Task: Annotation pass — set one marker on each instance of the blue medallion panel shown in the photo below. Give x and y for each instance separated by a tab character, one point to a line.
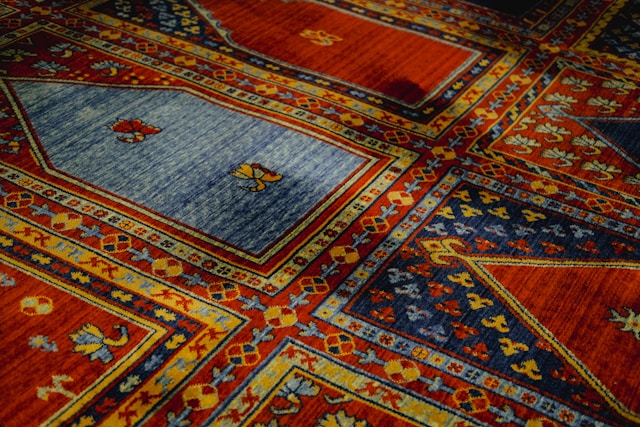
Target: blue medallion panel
237	178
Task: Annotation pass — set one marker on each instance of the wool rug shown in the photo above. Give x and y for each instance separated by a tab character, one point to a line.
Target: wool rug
325	213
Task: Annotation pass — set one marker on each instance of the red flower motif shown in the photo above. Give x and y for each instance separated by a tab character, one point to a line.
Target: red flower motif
135	128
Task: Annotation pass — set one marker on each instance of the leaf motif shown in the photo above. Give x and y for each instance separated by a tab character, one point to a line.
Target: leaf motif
299	386
340	419
565	159
561	98
604	169
592	146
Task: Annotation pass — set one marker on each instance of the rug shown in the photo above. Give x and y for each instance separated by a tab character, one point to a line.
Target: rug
322	213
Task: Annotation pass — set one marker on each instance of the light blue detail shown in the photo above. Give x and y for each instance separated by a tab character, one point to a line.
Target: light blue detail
183	172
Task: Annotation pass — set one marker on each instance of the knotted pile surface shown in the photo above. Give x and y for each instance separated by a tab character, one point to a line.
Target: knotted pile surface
272	213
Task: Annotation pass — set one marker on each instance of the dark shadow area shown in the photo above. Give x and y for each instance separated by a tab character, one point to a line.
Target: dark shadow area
518	8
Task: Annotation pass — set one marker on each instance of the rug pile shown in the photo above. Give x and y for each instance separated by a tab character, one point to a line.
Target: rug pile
321	213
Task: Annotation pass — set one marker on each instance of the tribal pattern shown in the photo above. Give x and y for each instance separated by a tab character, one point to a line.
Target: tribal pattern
319	212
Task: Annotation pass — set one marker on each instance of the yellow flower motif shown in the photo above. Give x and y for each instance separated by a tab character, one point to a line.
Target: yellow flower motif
509	390
400	235
538	200
361	274
332	302
420	353
437	359
325	314
341	320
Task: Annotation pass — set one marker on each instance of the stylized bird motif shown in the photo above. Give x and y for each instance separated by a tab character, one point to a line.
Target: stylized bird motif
91	341
258	173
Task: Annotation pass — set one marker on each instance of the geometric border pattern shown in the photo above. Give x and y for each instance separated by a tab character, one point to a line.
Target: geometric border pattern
334	309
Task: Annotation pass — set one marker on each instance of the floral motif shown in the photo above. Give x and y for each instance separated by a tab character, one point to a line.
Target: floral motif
258	173
42	342
135	130
341	418
630	323
91	341
320	37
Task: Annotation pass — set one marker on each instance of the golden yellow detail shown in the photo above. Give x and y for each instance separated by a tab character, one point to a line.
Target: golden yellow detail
320	37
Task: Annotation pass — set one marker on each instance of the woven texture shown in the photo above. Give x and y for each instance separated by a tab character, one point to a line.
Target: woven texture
324	213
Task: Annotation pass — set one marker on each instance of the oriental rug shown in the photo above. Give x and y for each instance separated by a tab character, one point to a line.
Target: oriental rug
325	213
